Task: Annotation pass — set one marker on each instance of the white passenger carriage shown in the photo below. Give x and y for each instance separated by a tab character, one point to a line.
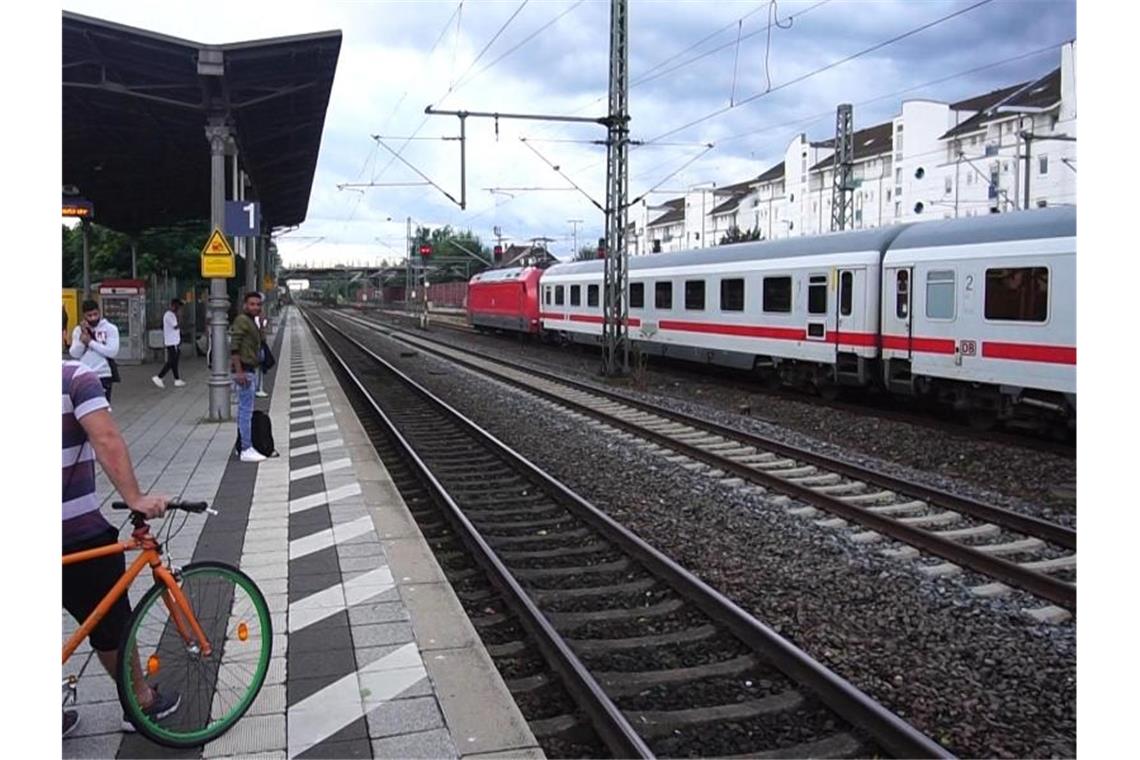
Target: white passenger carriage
981	312
805	310
978	312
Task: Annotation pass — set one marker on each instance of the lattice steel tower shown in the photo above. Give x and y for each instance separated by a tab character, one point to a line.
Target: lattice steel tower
843	188
615	327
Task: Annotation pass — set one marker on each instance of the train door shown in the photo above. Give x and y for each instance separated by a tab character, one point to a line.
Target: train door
897	301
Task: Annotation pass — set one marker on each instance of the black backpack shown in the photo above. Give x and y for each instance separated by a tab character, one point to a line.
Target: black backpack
261	430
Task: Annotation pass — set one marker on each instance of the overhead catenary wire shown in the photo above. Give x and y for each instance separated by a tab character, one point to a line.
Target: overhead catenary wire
822	69
806	120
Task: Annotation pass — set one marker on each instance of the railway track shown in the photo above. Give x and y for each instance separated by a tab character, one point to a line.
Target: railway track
657	662
1009	549
881	407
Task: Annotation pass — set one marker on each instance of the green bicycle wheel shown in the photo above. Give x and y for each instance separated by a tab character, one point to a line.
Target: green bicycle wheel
213	690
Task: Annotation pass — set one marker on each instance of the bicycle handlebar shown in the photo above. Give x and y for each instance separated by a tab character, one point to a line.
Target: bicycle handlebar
196	507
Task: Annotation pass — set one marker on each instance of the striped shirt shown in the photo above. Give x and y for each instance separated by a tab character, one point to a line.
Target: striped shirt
82	394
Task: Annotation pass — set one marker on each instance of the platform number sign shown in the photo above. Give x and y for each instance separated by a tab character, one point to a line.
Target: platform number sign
243	218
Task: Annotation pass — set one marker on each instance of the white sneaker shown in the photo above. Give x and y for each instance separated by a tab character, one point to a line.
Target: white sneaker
261	394
252	455
157	381
179	383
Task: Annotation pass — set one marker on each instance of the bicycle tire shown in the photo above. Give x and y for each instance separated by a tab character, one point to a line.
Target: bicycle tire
235	623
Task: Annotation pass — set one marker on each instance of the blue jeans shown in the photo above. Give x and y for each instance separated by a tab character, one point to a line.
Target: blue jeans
245	409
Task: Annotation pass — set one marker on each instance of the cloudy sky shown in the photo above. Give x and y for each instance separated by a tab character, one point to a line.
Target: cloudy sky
688	60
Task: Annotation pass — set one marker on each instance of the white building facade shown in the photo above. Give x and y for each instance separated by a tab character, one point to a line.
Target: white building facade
1009	149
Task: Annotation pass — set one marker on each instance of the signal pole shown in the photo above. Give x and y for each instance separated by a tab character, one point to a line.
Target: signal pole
615	325
842	187
574	223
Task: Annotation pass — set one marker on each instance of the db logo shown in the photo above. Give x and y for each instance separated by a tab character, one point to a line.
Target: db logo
968	347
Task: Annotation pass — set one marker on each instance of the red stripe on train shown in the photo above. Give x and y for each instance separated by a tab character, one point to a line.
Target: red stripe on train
589	318
922	345
750	331
1030	352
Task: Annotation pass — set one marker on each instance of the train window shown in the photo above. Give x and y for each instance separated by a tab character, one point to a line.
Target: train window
591	295
732	295
940	294
902	294
637	295
663	295
695	295
1017	294
575	295
547	290
558	295
817	294
778	294
846	292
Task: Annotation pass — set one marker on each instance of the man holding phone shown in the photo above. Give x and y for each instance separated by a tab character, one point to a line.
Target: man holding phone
94	341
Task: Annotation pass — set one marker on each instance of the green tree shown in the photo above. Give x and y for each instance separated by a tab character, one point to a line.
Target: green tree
171	251
586	253
456	255
735	235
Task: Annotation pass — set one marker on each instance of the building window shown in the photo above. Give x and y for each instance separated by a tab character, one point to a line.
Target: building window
657	246
663	295
846	293
636	295
559	297
949	185
592	295
858	215
970	178
919	207
888	195
777	294
898	176
902	294
940	294
919	173
1042	203
575	295
898	208
1043	165
695	295
1018	294
732	295
817	294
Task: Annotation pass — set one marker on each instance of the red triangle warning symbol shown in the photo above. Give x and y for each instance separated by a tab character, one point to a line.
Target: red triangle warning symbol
217	245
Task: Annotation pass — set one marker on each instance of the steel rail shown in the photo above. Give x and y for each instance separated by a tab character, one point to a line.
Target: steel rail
886	728
1059	592
606	718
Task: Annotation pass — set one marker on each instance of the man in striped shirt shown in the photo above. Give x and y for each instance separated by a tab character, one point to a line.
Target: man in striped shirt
90	433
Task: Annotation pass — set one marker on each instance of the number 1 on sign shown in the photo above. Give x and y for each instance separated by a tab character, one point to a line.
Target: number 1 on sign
248	208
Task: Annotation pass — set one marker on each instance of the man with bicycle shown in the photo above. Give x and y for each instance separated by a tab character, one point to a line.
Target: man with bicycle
90	433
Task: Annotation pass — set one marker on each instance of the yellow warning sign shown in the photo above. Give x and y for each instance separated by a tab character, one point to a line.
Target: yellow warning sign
217	266
217	245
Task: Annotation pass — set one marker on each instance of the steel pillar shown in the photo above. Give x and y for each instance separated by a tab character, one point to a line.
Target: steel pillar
842	166
86	229
615	327
218	305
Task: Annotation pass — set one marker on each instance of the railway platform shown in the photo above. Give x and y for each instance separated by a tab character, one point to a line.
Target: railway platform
373	655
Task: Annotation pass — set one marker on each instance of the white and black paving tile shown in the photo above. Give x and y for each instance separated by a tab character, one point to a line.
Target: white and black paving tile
372	654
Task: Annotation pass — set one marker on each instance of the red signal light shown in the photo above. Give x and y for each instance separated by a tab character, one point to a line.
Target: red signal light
425	250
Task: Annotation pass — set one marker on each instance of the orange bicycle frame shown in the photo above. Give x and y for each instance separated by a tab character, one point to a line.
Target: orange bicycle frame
176	602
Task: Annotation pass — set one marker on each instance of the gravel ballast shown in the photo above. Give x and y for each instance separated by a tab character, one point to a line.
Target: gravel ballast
975	674
1023	478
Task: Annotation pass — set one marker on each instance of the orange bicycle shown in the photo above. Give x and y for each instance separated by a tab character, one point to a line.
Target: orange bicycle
203	630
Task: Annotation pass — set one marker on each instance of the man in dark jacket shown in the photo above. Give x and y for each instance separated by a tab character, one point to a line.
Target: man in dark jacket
245	347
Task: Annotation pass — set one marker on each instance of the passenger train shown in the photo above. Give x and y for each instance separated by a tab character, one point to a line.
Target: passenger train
978	313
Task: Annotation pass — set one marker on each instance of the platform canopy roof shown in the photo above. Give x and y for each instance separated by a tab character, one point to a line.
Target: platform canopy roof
135	108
